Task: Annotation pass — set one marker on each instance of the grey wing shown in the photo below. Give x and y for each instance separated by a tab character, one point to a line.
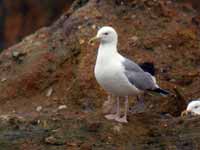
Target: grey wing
141	80
131	66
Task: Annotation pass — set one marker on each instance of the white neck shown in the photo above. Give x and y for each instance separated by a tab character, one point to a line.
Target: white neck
105	52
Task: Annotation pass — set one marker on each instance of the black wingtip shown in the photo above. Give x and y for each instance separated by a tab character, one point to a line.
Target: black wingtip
161	91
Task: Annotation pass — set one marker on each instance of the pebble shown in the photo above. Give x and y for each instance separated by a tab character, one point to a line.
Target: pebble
79	27
4	117
61	107
54	141
169	46
81	41
151	106
38	108
117	128
134	38
15	54
94	26
133	16
49	92
3	79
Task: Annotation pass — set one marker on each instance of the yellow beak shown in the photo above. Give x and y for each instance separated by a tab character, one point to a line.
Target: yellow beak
186	113
92	40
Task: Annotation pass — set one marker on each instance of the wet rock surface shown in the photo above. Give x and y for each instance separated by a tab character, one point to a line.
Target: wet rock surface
56	69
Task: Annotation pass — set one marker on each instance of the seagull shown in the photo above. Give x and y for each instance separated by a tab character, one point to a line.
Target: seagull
118	75
193	108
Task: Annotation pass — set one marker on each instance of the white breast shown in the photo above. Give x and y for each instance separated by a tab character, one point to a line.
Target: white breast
110	75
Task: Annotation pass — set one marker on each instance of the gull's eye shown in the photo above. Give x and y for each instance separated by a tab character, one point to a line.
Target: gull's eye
106	33
196	107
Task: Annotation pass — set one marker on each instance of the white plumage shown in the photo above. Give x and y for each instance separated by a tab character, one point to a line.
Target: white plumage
109	74
194	107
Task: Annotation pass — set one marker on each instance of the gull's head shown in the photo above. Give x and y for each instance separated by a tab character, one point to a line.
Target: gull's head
193	108
106	34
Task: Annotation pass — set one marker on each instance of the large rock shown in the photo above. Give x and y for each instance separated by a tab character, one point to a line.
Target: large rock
59	58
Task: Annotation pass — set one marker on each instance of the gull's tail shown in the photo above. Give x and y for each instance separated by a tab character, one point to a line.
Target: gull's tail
161	91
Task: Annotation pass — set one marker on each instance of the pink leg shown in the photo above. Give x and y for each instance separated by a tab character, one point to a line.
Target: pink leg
109	97
124	118
114	116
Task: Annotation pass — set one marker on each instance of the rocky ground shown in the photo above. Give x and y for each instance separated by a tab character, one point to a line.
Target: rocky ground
49	96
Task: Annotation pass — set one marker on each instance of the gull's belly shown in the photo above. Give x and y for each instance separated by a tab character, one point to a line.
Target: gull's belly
114	81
